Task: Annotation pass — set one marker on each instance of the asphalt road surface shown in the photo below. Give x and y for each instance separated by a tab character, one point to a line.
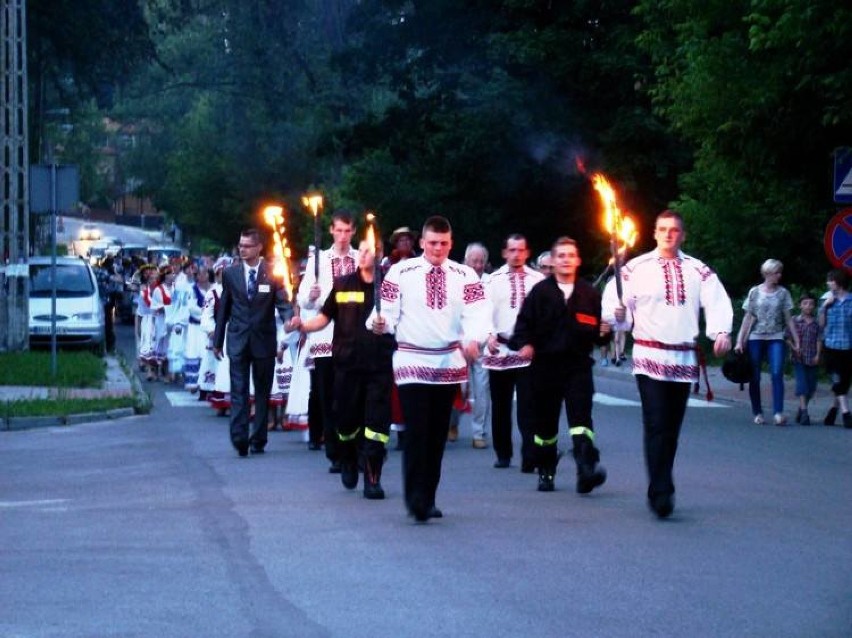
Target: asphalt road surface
152	526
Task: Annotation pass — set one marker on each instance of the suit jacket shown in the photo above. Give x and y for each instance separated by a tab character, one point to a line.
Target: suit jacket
250	326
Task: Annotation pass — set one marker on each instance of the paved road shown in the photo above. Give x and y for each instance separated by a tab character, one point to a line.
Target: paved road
151	526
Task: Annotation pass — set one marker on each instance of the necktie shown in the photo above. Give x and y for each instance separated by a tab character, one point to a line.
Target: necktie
252	284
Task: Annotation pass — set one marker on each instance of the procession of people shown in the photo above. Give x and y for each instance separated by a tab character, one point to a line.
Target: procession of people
363	346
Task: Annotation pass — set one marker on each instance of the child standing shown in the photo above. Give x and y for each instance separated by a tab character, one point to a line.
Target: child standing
806	359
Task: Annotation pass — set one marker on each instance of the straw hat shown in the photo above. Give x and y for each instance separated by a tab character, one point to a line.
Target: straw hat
401	231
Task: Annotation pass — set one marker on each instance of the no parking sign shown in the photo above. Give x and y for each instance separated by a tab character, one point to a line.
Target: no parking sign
838	239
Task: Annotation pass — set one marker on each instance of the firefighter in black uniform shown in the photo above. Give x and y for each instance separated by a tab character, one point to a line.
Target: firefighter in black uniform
558	327
363	375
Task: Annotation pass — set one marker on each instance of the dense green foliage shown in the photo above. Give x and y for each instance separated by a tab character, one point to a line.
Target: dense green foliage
727	110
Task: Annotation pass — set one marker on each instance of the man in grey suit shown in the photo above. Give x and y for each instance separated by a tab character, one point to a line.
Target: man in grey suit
250	297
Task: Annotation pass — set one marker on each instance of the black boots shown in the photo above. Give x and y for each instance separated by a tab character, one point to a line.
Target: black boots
372	478
548	460
590	473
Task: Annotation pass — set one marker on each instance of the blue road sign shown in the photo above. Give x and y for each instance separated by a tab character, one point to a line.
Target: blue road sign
843	175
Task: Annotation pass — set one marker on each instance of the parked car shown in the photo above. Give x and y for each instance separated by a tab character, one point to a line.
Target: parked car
79	311
159	255
89	232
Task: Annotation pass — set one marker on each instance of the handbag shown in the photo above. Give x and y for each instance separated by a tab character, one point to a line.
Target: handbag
737	367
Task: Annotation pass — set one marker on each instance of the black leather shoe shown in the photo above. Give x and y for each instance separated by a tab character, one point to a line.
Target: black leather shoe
257	449
501	463
662	505
434	512
527	467
242	449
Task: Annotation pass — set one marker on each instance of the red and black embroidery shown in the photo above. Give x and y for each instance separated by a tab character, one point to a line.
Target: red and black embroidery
341	266
390	291
430	375
473	292
673	280
687	372
320	350
517	289
436	289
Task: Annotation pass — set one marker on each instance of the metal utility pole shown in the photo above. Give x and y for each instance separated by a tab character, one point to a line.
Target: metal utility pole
14	191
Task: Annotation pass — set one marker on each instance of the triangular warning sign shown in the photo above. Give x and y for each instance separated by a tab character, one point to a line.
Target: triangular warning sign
846	184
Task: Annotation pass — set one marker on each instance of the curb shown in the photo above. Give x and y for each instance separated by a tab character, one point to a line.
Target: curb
129	385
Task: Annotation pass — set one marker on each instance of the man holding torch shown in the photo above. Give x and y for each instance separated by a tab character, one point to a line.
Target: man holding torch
337	261
663	292
438	311
362	371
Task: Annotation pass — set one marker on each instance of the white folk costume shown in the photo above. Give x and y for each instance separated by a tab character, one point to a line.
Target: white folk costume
207	324
196	339
669	294
509	374
506	290
152	342
331	266
663	298
429	308
177	321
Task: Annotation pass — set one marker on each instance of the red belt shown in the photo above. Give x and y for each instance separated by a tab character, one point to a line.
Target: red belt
683	347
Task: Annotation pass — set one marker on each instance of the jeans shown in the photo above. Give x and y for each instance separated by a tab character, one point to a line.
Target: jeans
772	351
806	380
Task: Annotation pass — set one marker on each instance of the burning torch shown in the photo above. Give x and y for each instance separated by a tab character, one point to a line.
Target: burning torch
621	229
274	218
374	238
314	203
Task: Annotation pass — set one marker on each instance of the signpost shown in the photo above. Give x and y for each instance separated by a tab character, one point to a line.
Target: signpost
53	188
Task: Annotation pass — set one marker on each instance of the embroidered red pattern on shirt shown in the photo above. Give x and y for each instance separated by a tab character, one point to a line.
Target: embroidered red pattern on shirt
517	289
473	292
687	372
341	266
320	349
390	291
436	289
431	375
673	279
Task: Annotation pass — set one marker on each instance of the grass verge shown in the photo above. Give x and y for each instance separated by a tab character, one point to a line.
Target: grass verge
73	369
64	407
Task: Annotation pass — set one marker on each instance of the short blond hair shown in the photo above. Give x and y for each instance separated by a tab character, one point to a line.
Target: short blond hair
770	266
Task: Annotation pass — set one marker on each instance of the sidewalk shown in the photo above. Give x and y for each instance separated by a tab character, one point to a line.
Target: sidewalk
117	384
726	392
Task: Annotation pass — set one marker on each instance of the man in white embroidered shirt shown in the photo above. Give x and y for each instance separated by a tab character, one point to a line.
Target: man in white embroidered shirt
663	293
438	310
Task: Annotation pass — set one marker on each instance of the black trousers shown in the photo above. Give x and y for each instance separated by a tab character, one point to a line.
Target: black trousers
838	364
362	401
426	409
504	384
321	406
663	408
262	371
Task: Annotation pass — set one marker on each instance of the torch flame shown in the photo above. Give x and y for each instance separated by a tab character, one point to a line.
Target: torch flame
314	202
371	236
274	218
615	222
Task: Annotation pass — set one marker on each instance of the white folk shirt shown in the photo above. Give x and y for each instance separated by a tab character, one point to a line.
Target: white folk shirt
507	290
431	309
663	298
331	266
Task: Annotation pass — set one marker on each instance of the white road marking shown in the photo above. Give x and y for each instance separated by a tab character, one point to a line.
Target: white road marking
41	503
185	400
608	399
